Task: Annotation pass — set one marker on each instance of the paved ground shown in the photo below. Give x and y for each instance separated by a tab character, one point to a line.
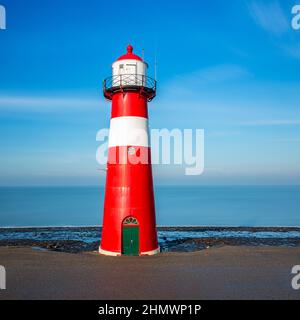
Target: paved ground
217	273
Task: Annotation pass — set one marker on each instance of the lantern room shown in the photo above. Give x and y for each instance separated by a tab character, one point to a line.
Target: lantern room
129	72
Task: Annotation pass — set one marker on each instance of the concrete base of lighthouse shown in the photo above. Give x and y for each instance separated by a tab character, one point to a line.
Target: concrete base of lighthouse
151	253
115	254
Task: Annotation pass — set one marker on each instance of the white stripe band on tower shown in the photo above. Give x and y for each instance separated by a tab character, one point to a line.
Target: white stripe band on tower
128	131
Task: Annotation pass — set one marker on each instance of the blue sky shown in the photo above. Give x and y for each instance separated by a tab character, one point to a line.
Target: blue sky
229	67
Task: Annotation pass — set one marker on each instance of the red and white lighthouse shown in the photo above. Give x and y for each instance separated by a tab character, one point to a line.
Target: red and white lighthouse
129	225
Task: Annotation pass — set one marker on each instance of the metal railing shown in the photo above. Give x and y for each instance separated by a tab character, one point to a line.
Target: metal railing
129	81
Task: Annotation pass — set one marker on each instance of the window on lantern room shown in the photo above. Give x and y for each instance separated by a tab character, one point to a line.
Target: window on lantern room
127	71
130	69
121	69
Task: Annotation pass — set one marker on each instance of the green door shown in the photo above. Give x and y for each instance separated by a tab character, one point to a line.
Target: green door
130	240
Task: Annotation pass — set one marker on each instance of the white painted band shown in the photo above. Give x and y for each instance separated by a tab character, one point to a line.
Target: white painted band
128	131
150	253
109	253
114	254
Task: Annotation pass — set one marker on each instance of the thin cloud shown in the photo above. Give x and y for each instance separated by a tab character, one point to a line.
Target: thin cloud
224	133
271	123
43	103
292	50
218	73
277	22
186	85
269	16
289	140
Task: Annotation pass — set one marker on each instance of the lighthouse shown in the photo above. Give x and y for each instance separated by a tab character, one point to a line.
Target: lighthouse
129	223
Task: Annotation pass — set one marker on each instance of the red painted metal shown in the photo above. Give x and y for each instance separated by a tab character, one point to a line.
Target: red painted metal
130	55
129	104
129	192
119	155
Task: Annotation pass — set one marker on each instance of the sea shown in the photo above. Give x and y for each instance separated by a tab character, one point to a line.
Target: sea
189	218
236	206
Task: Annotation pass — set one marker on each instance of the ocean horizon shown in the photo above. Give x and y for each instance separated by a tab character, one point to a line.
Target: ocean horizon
236	206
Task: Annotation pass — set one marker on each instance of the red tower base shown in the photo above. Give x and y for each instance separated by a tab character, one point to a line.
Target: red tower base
129	203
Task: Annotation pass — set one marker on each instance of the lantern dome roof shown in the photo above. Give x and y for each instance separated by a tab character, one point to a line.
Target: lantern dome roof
130	54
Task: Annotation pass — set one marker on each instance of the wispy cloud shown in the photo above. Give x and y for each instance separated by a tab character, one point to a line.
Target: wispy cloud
223	133
188	84
292	50
270	16
276	21
271	123
212	74
46	103
289	140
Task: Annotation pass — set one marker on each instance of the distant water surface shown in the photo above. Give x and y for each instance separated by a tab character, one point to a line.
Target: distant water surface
175	205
